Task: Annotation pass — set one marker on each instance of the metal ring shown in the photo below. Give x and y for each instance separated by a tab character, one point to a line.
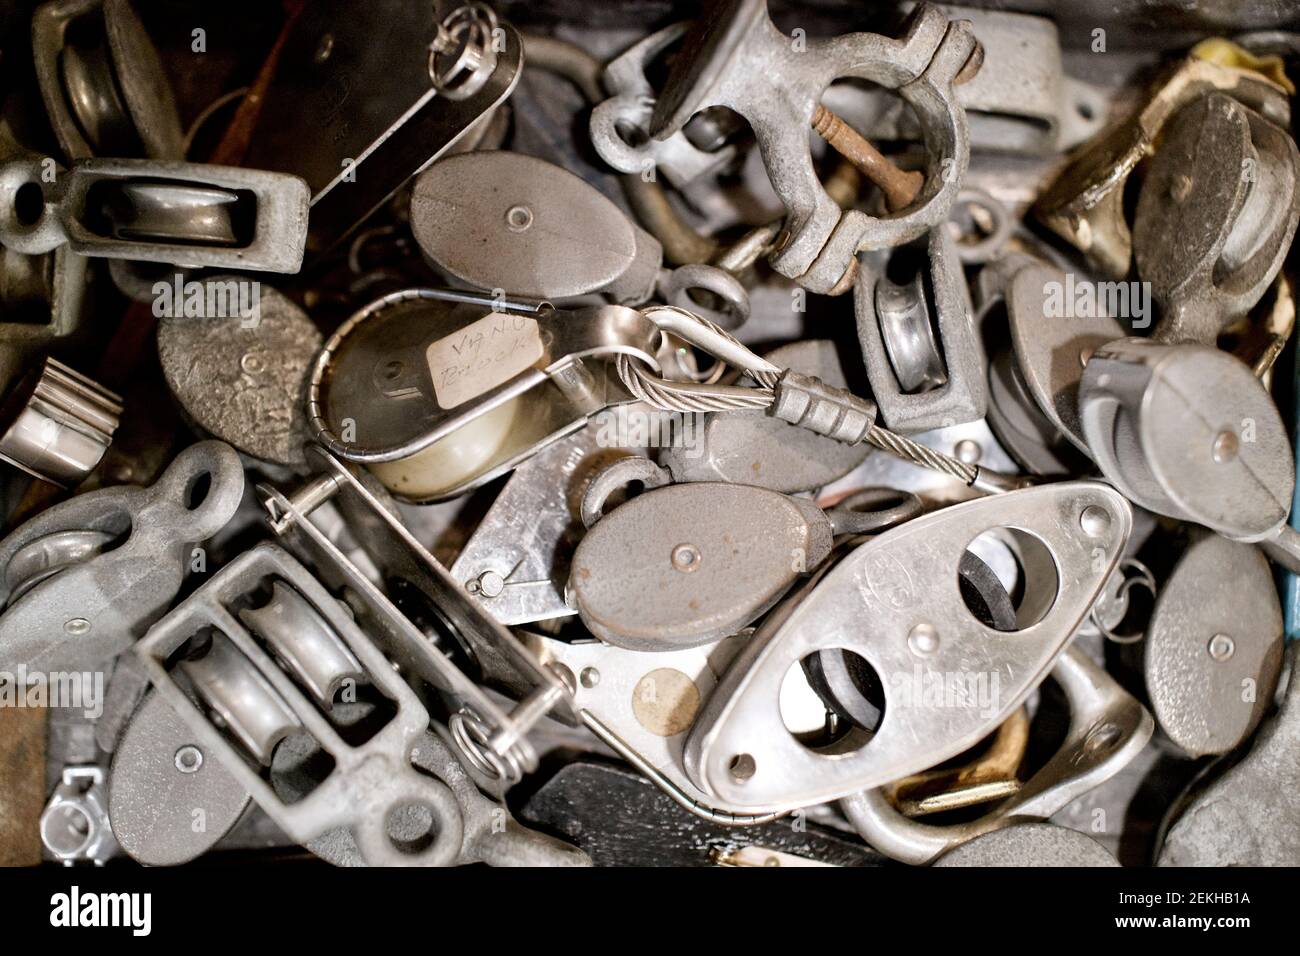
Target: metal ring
995	235
466	36
735	297
860	513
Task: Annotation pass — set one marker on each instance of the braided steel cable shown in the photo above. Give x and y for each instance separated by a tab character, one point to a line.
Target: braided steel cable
691	397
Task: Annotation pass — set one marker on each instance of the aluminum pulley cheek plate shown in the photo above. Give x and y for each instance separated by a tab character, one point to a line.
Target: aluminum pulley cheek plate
688	564
912	628
163	786
1213	646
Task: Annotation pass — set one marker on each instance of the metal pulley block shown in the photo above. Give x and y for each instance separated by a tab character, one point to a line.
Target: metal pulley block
714	556
923	357
491	834
620	126
86	577
56	424
169	798
1068	538
1030	844
1107	730
238	363
1216	215
735	57
75	825
421	102
1187	431
754	448
1084	204
1034	387
102	82
505	221
1213	647
438	392
189	214
1248	815
372	781
493	737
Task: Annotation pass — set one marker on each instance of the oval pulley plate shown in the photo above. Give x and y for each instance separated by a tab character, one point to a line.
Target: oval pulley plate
502	220
1214	646
948	678
687	564
163	784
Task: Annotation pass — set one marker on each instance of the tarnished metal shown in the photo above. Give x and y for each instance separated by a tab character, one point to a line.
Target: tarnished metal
188	214
94	608
1079	532
239	365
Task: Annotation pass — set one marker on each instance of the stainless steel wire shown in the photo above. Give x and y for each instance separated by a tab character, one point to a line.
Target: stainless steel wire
672	396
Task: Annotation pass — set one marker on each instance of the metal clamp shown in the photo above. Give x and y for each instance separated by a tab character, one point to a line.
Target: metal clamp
57	424
734	56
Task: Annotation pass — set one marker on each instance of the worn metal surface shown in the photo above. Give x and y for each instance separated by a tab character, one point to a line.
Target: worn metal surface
102	81
1188	431
926	365
153	210
22	784
754	448
370	782
1084	204
243	377
95	608
169	798
919	622
467	389
492	835
1030	844
688	564
57	424
1213	647
734	56
517	560
1107	730
501	220
620	125
1216	216
354	161
1246	816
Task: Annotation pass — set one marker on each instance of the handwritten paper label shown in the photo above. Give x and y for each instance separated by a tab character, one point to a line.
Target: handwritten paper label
481	356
